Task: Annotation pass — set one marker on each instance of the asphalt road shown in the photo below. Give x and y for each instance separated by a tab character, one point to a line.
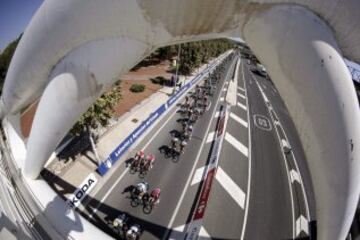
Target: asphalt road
254	196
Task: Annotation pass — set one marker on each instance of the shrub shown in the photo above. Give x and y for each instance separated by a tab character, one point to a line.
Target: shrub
158	80
137	88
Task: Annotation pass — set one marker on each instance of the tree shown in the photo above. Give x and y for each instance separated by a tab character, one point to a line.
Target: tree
99	113
5	59
194	54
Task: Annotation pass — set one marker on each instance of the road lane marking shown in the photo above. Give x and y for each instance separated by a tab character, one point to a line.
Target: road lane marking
267	103
210	137
242	106
296	166
236	144
231	187
302	225
94	210
238	119
198	176
262	122
240	88
208	107
217	114
192	170
180	228
294	176
204	233
221	99
127	169
248	192
241	95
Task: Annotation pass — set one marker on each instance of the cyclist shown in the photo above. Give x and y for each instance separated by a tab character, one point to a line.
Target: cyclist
186	99
183	145
155	195
187	130
133	233
174	142
141	188
139	155
150	160
190	112
199	112
184	125
138	159
120	222
206	102
190	129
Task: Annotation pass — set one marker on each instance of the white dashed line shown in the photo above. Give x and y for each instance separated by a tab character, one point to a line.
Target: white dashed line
302	225
236	144
238	119
204	233
241	95
221	99
230	186
187	184
294	175
179	228
210	137
198	175
242	106
217	114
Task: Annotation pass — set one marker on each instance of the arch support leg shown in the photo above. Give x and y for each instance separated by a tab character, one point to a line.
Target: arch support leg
306	65
72	90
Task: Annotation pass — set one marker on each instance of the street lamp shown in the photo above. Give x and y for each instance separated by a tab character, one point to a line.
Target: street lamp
177	68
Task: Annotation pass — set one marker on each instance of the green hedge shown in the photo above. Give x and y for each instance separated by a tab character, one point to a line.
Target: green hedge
158	80
137	88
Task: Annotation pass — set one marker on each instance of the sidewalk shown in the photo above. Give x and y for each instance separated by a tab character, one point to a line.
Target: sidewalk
74	173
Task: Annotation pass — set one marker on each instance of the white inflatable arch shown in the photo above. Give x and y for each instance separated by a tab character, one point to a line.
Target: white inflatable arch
73	50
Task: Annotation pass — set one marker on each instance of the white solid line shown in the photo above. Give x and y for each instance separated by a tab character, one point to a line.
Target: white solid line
236	144
241	95
180	228
210	137
204	233
238	119
198	176
249	164
242	106
127	169
284	158
192	172
230	186
240	88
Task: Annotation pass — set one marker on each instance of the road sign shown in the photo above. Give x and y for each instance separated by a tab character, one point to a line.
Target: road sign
262	122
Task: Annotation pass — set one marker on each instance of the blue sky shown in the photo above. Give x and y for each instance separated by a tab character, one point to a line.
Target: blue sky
14	17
